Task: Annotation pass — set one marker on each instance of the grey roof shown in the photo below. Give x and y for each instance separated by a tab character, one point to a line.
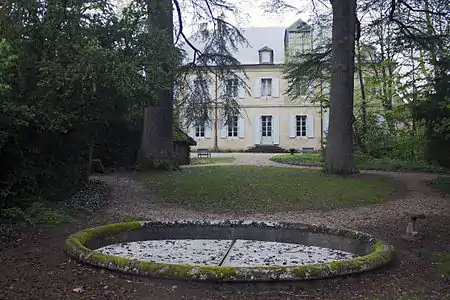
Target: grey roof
265	48
299	25
257	38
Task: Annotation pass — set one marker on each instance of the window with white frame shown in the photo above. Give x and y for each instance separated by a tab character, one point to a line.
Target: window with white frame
233	126
266	126
266	56
266	87
299	42
375	91
300	126
200	131
305	41
197	89
231	87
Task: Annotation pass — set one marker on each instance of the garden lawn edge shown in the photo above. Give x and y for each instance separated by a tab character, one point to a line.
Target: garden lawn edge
284	160
75	246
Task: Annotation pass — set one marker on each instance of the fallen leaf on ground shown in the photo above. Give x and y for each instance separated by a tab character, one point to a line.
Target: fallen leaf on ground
78	290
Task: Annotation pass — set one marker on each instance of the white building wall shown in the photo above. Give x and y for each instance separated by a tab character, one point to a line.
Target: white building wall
254	105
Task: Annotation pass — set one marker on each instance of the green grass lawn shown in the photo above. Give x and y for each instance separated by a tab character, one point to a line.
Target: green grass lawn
255	189
362	162
442	261
213	160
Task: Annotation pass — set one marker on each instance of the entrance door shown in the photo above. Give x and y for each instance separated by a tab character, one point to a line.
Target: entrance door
266	130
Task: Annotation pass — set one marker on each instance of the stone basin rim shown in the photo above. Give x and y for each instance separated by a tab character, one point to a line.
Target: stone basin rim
76	247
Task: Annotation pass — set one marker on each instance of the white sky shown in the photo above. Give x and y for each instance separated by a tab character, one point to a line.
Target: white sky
256	15
258	18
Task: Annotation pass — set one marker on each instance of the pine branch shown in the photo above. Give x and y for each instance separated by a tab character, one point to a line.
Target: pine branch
420	10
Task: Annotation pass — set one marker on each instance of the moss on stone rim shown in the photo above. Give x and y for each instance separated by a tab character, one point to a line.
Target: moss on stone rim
75	246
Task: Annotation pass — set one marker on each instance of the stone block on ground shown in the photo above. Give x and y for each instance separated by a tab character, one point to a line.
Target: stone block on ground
97	166
411	231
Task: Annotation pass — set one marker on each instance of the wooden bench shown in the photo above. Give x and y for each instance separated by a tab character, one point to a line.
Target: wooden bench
203	152
309	150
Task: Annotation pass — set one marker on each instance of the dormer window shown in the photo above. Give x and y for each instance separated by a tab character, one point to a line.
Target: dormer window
265	55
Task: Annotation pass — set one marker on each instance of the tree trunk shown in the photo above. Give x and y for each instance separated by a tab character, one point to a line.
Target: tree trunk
339	157
216	117
362	87
321	117
414	97
157	140
357	137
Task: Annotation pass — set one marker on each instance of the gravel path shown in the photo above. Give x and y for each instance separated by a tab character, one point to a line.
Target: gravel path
34	266
130	198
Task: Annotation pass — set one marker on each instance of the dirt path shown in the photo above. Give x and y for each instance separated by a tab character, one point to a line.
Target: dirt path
33	265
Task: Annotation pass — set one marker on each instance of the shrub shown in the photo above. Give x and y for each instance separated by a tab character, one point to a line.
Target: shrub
39	165
36	214
442	183
363	162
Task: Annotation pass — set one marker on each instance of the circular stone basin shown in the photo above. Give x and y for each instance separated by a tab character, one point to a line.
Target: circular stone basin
228	250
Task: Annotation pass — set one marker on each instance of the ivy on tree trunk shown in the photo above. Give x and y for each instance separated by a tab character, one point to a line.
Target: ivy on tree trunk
339	156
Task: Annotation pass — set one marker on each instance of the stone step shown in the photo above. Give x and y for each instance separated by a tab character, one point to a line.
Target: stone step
266	149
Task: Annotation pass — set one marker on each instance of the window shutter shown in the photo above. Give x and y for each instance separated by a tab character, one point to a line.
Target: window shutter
257	131
241	128
191	87
293	127
326	119
311	89
210	88
223	88
275	87
191	131
310	126
223	129
208	130
276	131
257	88
176	93
241	87
326	89
241	91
